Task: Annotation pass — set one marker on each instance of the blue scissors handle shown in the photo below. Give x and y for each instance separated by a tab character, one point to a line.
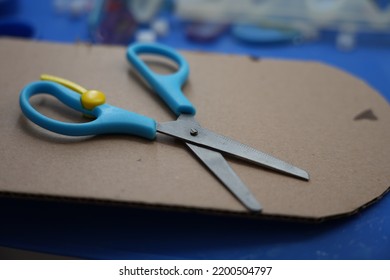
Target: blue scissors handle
168	87
109	119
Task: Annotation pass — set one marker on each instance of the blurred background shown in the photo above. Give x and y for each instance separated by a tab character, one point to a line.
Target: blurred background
353	35
221	23
348	34
202	21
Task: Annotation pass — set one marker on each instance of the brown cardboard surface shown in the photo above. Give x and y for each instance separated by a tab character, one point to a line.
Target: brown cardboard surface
306	113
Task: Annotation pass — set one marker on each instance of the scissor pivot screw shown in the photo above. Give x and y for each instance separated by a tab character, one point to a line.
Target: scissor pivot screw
193	132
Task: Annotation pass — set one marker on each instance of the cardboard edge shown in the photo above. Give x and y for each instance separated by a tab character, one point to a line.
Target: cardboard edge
183	209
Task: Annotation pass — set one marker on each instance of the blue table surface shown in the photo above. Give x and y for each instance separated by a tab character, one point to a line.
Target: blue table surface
119	232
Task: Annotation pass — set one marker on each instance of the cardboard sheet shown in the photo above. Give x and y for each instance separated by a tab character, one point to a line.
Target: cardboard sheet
314	116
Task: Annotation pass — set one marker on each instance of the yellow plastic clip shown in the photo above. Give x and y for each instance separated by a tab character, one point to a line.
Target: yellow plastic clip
89	98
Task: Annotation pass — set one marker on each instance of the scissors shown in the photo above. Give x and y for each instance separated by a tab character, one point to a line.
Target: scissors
205	144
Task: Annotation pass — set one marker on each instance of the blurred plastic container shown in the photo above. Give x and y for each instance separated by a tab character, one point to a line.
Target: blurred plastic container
308	17
117	21
363	14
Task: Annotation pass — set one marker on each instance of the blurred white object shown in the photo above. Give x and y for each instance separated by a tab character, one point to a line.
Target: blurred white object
329	14
77	7
61	6
144	10
73	7
160	26
345	41
145	36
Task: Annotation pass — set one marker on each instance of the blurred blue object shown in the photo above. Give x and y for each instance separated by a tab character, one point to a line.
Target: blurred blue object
257	34
16	29
8	7
95	231
382	4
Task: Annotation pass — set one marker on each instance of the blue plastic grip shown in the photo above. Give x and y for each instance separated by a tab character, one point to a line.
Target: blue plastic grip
168	87
109	119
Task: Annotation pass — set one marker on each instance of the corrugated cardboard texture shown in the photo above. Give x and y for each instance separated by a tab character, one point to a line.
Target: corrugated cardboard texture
305	113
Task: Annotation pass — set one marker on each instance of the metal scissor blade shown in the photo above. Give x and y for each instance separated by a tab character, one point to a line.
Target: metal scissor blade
189	130
222	170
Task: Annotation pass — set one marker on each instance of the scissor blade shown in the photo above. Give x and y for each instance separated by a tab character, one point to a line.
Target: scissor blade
189	130
222	170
